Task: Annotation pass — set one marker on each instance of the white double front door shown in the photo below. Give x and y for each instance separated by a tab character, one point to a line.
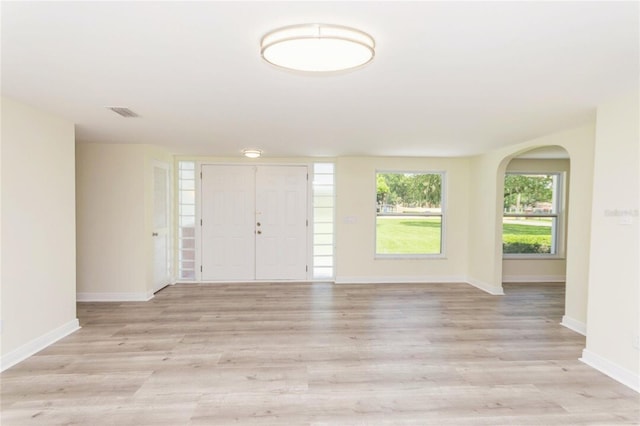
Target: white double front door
254	222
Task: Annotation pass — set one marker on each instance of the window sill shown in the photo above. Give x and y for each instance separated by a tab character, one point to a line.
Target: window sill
409	256
532	257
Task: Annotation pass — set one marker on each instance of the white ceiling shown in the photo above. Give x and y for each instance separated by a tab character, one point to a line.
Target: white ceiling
449	78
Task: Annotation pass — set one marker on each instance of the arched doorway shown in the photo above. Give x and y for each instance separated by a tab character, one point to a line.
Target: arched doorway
535	216
574	253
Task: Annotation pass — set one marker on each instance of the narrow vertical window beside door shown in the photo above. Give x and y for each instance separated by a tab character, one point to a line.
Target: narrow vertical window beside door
323	220
187	220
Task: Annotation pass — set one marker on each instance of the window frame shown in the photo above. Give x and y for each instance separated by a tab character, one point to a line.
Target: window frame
181	249
442	215
328	258
558	237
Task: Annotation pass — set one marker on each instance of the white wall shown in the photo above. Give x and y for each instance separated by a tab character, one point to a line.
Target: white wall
356	218
115	245
539	270
38	230
614	278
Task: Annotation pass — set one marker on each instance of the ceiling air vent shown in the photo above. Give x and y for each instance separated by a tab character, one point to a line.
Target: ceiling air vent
125	112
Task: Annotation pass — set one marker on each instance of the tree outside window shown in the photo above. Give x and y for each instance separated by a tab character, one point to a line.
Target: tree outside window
531	213
409	213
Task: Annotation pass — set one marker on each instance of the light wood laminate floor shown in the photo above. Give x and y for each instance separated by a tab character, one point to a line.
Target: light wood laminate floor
319	354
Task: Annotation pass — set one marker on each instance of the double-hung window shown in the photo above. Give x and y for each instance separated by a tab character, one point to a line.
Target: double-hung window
532	217
409	214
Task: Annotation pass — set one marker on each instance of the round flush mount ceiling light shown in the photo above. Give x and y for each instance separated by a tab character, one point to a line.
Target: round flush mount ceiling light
317	47
251	153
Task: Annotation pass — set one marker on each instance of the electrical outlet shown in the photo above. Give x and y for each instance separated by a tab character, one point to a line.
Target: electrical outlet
350	219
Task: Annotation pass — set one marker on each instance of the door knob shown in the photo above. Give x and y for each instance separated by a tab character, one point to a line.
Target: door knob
155	234
259	232
258	224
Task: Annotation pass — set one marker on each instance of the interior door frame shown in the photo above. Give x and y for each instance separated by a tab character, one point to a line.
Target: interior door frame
198	188
168	167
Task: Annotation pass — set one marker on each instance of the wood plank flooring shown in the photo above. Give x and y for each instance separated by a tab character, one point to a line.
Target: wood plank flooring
319	354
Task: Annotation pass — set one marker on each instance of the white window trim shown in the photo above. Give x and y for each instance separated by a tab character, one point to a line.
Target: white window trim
312	244
557	240
177	250
442	214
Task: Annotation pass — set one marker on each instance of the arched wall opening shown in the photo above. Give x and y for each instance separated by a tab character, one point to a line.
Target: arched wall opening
535	200
579	146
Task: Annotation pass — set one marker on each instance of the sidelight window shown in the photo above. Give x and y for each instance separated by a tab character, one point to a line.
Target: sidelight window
323	220
186	220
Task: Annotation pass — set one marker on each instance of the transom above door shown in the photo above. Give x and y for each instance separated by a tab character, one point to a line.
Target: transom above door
254	222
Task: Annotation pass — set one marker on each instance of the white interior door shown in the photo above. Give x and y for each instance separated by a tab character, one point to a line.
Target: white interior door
281	223
228	212
160	233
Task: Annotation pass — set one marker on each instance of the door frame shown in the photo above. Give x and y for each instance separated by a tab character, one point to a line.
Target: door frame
198	189
168	167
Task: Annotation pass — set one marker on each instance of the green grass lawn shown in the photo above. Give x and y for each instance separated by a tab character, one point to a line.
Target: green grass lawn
421	235
408	235
523	238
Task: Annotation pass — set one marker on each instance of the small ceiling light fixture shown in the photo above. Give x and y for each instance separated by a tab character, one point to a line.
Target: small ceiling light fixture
317	47
252	153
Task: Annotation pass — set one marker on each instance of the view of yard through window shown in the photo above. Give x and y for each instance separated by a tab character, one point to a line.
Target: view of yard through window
530	219
409	213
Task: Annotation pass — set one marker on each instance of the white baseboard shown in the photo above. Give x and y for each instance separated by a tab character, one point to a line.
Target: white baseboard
212	282
38	344
114	297
574	325
533	279
491	289
620	374
400	280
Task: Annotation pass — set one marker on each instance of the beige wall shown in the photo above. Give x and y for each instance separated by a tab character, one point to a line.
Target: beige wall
487	175
485	224
537	270
115	246
614	278
38	229
356	215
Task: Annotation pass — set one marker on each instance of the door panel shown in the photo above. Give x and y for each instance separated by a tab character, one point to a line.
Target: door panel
161	264
254	222
228	208
281	211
